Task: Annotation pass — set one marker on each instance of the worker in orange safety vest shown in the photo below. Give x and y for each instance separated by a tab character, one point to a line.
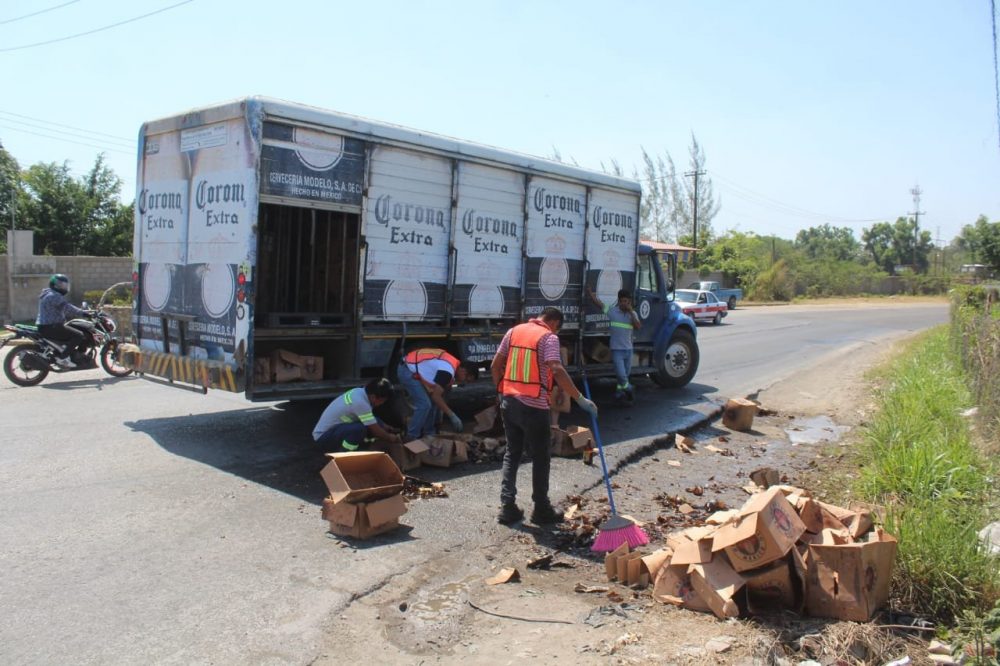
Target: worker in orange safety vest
525	366
427	374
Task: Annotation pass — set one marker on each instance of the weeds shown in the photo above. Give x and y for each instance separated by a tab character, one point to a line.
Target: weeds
921	465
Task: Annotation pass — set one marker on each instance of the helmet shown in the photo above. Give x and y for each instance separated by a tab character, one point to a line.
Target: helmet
60	283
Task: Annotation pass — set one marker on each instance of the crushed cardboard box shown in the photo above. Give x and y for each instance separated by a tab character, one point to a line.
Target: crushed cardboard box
288	366
571	441
407	456
850	581
365	494
738	414
445	450
766	557
365	519
766	528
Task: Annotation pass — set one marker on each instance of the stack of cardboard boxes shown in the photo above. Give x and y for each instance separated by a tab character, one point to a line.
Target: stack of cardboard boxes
782	550
365	494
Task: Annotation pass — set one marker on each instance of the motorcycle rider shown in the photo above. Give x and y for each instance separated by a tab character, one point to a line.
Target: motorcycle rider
53	313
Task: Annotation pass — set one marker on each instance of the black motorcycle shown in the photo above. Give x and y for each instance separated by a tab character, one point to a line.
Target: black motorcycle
33	356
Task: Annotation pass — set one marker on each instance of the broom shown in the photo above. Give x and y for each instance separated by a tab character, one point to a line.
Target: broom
616	530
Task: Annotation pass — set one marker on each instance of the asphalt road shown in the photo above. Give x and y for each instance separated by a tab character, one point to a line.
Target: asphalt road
141	523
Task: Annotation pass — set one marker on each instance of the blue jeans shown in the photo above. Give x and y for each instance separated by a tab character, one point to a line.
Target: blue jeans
622	360
526	428
425	414
343	437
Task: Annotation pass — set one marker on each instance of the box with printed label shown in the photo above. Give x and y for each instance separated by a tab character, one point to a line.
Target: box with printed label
765	529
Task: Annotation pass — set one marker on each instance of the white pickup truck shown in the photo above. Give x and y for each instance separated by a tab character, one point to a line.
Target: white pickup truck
728	296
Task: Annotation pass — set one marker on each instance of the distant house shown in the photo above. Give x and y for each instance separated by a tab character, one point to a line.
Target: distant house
684	254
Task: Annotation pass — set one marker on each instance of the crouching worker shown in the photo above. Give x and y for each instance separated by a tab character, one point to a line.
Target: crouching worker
427	375
349	420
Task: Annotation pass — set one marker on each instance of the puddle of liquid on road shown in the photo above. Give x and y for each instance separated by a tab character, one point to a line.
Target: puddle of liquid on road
815	430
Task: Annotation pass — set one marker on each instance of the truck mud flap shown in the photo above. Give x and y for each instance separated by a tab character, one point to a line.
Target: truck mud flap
173	368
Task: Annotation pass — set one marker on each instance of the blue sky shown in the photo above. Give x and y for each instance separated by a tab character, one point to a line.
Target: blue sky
808	113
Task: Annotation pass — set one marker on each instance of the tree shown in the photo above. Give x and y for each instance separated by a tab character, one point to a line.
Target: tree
892	245
667	209
71	216
10	185
826	242
109	222
55	208
982	242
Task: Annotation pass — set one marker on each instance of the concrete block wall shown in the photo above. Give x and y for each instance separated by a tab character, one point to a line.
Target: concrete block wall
90	273
31	275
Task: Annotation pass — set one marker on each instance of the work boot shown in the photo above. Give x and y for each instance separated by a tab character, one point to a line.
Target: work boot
544	514
509	514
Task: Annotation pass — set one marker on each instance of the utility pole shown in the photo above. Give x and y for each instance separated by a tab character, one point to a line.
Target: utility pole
694	213
916	222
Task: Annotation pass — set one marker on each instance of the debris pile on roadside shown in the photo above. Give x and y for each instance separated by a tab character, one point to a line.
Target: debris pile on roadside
783	550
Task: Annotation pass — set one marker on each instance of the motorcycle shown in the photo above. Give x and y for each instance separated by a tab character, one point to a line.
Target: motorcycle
33	356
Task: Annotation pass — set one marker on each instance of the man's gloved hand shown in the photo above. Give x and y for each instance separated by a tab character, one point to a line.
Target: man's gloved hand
456	422
587	405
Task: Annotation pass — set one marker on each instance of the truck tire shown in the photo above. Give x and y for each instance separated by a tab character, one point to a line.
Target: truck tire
731	303
676	366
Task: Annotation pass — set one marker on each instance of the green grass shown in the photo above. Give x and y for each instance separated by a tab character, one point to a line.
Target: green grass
921	463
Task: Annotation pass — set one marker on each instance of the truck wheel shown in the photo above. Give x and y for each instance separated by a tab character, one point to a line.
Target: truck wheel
676	366
731	303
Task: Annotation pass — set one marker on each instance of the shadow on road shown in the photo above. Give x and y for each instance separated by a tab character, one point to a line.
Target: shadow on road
272	445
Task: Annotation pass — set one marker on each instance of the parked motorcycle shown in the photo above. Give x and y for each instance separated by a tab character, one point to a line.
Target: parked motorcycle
33	357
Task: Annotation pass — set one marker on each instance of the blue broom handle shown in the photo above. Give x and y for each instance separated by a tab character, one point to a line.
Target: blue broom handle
600	449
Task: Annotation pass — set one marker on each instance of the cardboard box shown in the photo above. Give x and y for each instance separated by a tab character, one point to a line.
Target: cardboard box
288	366
262	370
738	414
365	519
487	420
571	442
764	531
771	589
673	586
560	401
693	545
850	581
283	366
444	451
361	476
407	456
717	584
600	352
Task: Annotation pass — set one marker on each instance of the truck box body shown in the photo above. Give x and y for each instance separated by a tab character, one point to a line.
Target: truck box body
263	225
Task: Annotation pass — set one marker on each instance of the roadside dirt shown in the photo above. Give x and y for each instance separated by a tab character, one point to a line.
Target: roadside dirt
444	613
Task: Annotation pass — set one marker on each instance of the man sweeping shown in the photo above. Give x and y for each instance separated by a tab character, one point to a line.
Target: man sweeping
526	365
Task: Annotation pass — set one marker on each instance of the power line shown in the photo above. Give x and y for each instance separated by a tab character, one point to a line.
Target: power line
762	200
80	143
81	129
122	143
91	32
40	11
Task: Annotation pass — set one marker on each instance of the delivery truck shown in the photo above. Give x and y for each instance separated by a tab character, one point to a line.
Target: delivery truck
288	252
